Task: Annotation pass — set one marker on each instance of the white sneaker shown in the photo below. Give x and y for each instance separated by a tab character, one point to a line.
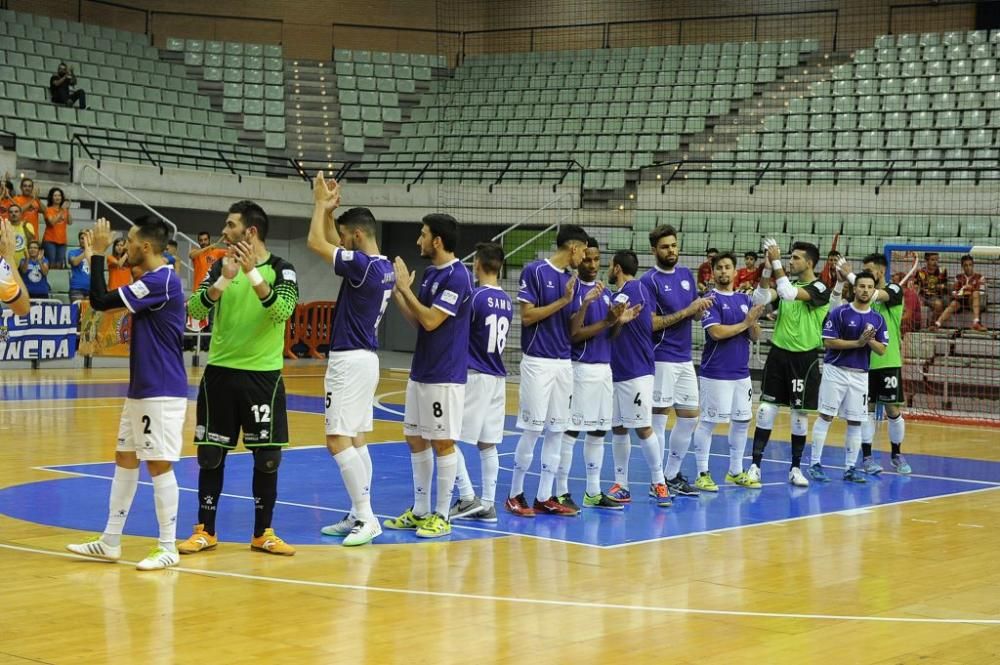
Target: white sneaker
753	473
341	528
796	478
96	548
363	533
158	559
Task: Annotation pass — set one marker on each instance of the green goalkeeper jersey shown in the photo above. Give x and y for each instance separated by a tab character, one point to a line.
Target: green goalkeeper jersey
892	311
799	326
247	332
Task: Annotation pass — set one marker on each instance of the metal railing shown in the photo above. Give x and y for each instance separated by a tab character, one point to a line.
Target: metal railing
527	220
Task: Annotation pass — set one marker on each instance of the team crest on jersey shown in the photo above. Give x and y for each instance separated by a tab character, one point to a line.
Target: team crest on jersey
549	285
828	325
744	308
686	285
607	299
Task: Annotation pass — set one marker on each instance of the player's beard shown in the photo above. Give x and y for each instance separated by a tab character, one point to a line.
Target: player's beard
667	263
724	282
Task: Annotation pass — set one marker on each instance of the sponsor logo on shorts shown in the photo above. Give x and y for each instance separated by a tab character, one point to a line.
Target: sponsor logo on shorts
199	432
264	434
577	419
525	416
712	413
657	395
217	438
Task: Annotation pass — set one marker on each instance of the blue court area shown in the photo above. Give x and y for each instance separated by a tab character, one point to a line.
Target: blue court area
311	493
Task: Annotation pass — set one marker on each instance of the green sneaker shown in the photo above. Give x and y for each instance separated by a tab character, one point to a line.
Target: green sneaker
407	520
434	526
600	500
743	480
705	483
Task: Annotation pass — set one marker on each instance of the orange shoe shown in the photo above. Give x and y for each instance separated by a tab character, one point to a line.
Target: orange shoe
270	543
199	541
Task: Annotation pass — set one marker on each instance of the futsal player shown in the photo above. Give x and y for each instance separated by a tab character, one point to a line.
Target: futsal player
485	405
13	292
435	391
632	370
676	385
791	371
152	420
352	371
726	390
545	293
253	293
850	333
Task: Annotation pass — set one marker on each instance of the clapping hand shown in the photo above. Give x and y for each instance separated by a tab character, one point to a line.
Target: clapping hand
404	278
594	293
243	254
754	314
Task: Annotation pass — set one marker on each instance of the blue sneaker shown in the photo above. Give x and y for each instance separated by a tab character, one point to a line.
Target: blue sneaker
852	475
870	466
900	465
816	473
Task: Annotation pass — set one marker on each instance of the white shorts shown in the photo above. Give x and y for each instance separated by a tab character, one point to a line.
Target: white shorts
723	400
152	428
676	384
434	410
590	409
544	394
351	380
485	408
633	403
843	393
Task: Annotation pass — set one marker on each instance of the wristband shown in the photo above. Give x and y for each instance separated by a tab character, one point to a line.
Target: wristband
255	277
851	277
222	283
765	272
776	264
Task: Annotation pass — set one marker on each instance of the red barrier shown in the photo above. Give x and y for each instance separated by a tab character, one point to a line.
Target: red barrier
311	325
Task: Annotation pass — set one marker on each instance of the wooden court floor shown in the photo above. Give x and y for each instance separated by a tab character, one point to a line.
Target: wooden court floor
901	584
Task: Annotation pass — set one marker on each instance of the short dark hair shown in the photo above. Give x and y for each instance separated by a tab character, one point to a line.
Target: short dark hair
490	256
171	243
811	251
661	232
52	193
966	257
24	180
155	231
865	274
34	242
205	233
569	233
750	255
627	261
724	255
832	252
443	226
592	243
712	250
928	255
359	218
877	259
253	216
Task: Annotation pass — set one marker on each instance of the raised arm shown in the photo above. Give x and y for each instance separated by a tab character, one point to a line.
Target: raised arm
323	238
532	314
699	305
12	289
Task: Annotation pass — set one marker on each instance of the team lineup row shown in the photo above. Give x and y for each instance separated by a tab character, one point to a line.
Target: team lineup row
593	359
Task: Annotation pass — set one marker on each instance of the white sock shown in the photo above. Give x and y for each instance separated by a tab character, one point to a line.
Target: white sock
489	460
868	429
680	442
660	430
621	449
652	451
853	445
703	444
447	467
897	430
165	497
820	429
462	481
366	459
123	487
551	456
523	455
593	457
565	462
423	473
737	445
352	470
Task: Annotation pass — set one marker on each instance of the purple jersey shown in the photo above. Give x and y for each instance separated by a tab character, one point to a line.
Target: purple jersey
442	355
156	357
597	349
364	295
492	311
845	322
673	291
632	349
728	358
542	284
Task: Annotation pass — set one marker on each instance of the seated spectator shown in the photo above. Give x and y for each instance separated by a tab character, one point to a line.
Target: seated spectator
22	231
119	271
748	276
79	276
969	294
57	219
171	253
34	271
706	275
829	275
932	282
29	204
204	256
60	84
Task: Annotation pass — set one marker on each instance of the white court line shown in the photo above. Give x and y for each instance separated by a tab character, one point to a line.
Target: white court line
550	602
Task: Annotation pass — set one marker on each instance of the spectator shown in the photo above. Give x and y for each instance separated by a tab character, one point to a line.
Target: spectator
6	195
119	271
705	273
204	256
171	253
912	315
932	282
748	276
23	233
57	219
34	271
829	275
60	84
79	276
29	203
969	294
